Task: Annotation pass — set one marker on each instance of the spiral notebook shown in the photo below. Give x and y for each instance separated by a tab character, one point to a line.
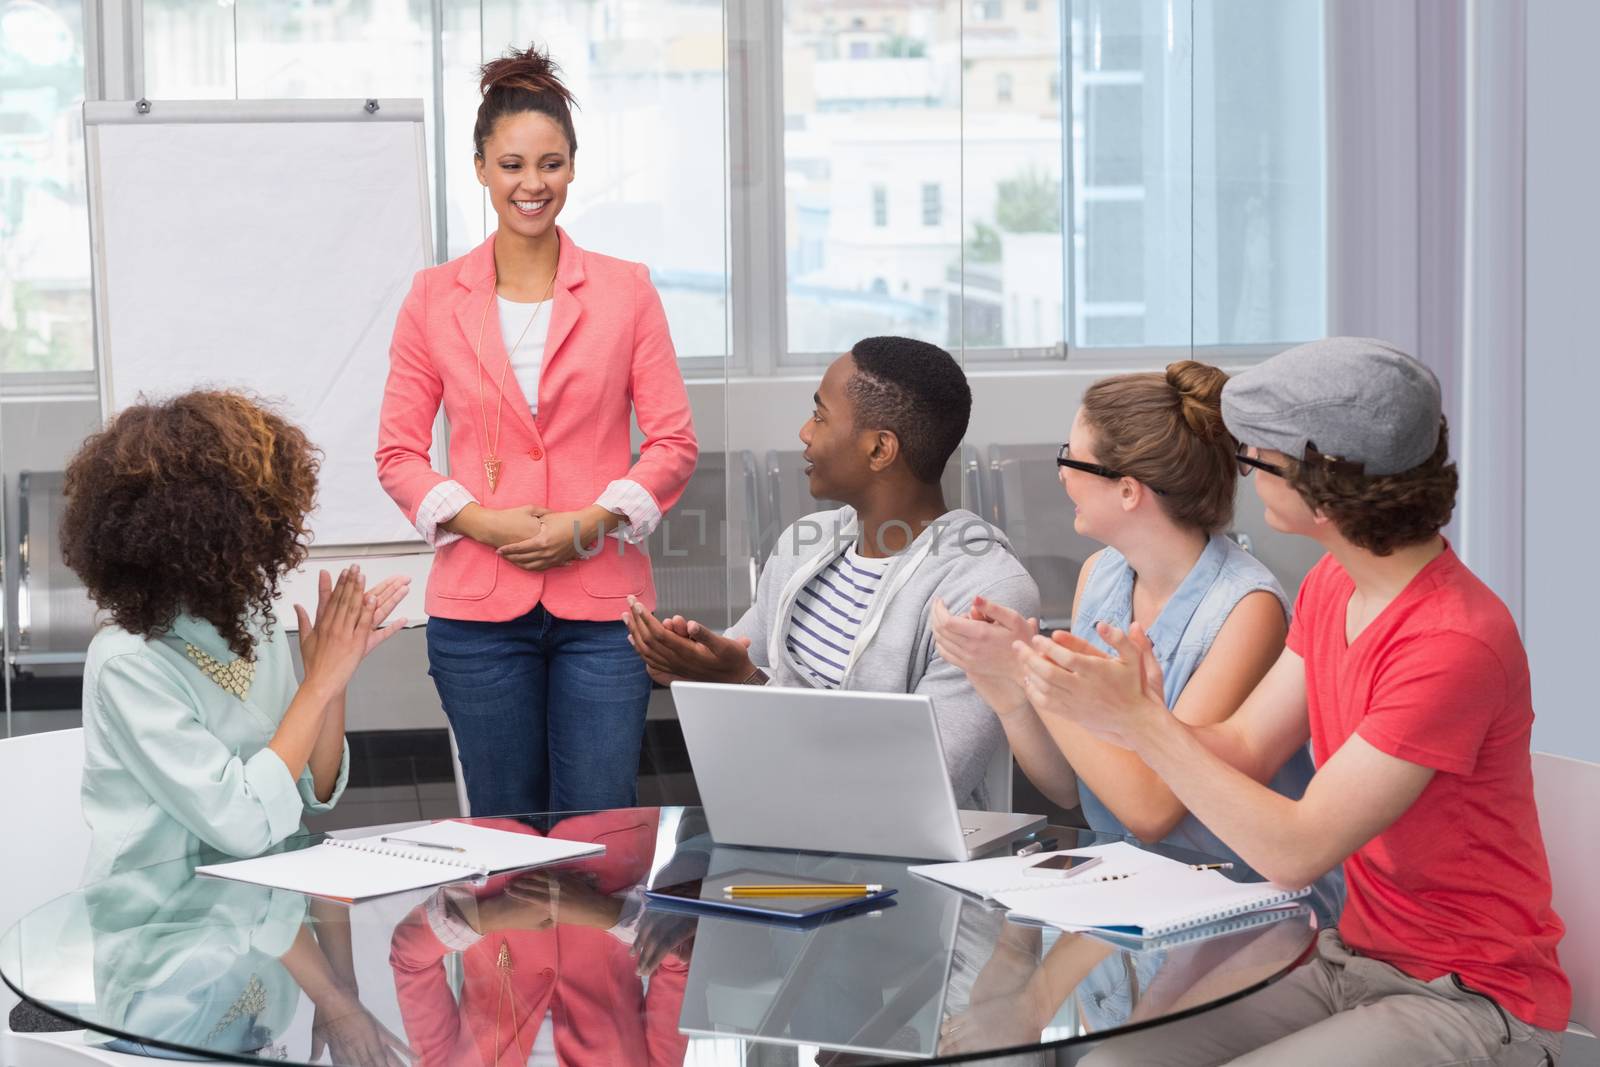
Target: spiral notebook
355	868
1133	893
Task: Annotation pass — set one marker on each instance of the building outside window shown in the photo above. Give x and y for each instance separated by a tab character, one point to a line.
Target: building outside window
46	322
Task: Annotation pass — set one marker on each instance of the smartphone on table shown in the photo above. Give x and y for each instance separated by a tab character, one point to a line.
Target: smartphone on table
1063	865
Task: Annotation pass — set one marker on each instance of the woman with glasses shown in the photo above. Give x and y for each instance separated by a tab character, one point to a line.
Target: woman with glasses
1151	471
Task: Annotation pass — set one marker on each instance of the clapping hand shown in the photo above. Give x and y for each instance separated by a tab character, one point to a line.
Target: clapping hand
348	624
980	643
1110	696
680	649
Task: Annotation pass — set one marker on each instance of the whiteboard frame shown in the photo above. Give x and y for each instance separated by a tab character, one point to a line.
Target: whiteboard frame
97	113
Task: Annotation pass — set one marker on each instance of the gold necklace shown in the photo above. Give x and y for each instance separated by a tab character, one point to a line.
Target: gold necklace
234	677
251	1002
503	964
491	448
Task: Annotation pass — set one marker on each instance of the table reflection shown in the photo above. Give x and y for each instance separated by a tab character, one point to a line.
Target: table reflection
572	948
574	964
1036	980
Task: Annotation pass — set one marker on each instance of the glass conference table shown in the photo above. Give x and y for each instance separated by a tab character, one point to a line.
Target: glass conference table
572	965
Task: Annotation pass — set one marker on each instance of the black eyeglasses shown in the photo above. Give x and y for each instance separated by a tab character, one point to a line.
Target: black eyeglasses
1313	458
1063	460
1248	462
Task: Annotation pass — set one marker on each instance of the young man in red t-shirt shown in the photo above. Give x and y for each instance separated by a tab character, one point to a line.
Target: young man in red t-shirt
1406	674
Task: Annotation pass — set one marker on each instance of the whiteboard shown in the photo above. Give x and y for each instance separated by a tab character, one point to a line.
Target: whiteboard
266	246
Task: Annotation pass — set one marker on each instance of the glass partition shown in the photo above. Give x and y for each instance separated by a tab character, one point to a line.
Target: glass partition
1053	190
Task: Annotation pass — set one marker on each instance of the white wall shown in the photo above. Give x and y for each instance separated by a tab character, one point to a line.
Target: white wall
1563	372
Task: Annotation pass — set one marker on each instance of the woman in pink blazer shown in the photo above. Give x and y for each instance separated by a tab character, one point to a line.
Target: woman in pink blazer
540	353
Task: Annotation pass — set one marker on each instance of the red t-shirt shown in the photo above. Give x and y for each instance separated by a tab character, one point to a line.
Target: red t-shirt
1459	882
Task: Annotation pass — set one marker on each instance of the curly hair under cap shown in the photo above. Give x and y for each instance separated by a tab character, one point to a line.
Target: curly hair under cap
195	505
1383	512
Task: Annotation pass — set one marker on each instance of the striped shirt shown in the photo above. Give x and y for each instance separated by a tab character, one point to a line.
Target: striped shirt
828	613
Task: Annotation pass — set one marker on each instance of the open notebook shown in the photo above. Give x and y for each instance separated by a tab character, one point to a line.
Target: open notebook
1132	893
354	868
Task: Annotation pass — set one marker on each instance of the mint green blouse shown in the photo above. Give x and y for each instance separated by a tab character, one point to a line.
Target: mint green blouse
172	761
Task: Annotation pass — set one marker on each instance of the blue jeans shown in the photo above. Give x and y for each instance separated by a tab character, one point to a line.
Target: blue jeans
548	713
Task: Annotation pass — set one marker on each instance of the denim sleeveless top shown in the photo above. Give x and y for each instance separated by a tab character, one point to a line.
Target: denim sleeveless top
1181	636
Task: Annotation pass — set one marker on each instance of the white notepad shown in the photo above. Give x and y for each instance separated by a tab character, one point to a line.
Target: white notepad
1132	892
991	877
356	868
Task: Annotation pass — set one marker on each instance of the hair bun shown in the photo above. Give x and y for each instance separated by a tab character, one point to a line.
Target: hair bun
531	71
1199	390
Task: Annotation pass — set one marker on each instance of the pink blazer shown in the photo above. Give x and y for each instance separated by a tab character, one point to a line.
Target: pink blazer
609	357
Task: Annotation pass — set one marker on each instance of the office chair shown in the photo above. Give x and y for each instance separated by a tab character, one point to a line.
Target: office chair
40	778
1566	791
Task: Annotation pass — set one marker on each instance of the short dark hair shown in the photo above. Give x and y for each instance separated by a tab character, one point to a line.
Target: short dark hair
1383	512
196	504
523	81
918	392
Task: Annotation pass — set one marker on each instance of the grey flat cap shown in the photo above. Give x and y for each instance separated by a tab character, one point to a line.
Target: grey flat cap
1361	400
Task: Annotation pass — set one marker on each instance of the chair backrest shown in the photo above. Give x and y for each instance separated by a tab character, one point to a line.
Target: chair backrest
997	778
54	612
40	779
702	550
461	779
1027	502
1567	791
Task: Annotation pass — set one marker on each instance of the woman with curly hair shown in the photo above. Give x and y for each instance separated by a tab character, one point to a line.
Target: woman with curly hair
181	519
542	354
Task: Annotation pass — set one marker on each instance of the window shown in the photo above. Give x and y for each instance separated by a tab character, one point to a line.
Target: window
1192	206
46	321
650	119
1163	251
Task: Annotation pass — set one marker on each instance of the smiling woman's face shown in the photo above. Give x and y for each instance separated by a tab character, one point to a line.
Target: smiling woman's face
526	166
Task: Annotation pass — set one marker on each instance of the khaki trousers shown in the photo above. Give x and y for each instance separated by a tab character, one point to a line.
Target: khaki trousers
1342	1009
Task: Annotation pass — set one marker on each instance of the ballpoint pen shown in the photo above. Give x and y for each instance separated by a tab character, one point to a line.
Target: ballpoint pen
1211	866
421	844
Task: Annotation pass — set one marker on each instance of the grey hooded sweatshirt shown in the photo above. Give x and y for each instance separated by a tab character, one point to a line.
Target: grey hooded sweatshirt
956	559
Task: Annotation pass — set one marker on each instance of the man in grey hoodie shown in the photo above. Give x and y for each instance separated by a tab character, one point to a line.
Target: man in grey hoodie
844	600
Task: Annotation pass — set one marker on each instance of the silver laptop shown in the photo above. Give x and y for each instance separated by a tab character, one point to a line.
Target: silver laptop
829	771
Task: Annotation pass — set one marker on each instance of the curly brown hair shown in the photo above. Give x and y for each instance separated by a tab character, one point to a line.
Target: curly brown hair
197	505
1383	512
